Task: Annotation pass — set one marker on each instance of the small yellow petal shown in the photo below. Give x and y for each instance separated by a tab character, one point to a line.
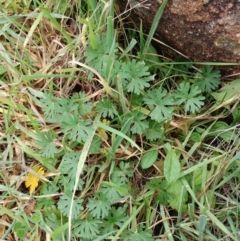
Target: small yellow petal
31	180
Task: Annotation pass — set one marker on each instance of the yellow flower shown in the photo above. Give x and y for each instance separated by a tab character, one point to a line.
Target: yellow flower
31	181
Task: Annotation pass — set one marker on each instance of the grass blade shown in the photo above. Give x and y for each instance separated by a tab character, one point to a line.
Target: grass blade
154	26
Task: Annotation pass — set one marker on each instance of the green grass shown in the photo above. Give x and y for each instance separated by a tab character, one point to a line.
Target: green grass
133	146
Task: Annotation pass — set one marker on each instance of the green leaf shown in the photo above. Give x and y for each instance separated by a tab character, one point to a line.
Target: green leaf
45	142
163	197
44	203
36	218
99	58
69	163
207	79
120	188
116	217
95	145
100	206
68	170
140	124
110	192
159	186
86	229
54	220
21	229
195	137
159	102
190	96
78	129
236	115
107	108
155	131
49	104
140	235
127	223
55	108
64	106
135	76
156	184
197	176
136	100
175	201
81	100
64	205
171	166
149	158
48	188
122	173
68	182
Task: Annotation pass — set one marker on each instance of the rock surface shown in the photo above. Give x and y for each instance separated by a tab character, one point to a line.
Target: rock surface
203	30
